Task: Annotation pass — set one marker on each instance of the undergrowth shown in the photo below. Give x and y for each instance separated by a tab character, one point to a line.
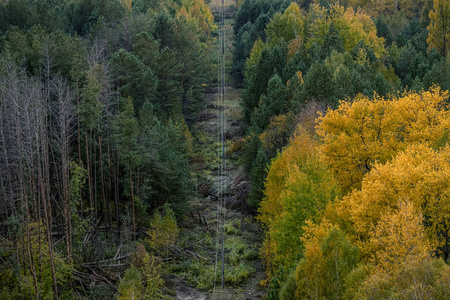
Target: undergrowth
205	269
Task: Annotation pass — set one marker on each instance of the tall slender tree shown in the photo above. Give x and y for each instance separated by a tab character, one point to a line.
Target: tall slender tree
439	28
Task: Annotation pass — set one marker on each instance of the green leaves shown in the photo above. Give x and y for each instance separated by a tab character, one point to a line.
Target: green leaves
163	231
319	85
91	107
133	78
127	136
131	286
297	189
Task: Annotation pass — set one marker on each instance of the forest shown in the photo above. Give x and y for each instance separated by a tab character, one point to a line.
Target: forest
346	112
96	102
340	146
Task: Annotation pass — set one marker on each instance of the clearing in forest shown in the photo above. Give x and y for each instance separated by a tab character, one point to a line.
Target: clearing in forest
193	277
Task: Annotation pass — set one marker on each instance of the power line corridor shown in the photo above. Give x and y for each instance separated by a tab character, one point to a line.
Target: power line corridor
221	114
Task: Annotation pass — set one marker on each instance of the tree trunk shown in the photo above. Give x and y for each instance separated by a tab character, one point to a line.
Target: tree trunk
102	179
132	203
91	203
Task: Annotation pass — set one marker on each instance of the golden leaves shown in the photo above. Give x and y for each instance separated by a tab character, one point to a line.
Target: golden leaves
294	46
419	174
398	235
163	230
255	54
296	153
287	26
297	189
439	28
126	4
358	134
198	12
391	157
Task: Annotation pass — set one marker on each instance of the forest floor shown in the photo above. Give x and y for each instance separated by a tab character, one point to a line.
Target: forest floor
198	274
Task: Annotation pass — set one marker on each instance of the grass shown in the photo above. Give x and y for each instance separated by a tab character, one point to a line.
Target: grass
203	272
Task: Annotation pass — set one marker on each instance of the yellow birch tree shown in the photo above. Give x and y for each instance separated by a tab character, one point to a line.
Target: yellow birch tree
366	131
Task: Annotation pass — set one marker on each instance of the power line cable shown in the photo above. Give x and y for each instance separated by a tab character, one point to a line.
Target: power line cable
223	141
218	182
221	182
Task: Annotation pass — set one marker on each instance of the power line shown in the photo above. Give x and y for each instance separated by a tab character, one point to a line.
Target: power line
221	113
219	170
223	139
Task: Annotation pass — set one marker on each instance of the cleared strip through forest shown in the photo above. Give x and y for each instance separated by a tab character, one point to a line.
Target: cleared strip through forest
222	179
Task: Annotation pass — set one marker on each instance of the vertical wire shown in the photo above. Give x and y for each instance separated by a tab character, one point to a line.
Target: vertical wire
223	142
219	171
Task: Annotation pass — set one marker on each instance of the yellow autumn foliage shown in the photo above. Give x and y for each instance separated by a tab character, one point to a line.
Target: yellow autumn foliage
276	133
163	231
310	269
200	13
328	259
353	26
298	30
286	26
389	8
439	27
297	189
415	278
399	234
300	147
366	131
419	174
255	54
391	157
294	46
127	4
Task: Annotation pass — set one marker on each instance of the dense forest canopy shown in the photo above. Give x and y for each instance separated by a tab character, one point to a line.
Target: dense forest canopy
96	102
346	111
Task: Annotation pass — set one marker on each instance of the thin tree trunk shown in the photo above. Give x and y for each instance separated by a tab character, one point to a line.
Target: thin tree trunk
64	119
94	176
7	164
79	143
102	179
132	203
116	195
110	175
24	200
48	211
29	250
91	203
78	124
44	184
